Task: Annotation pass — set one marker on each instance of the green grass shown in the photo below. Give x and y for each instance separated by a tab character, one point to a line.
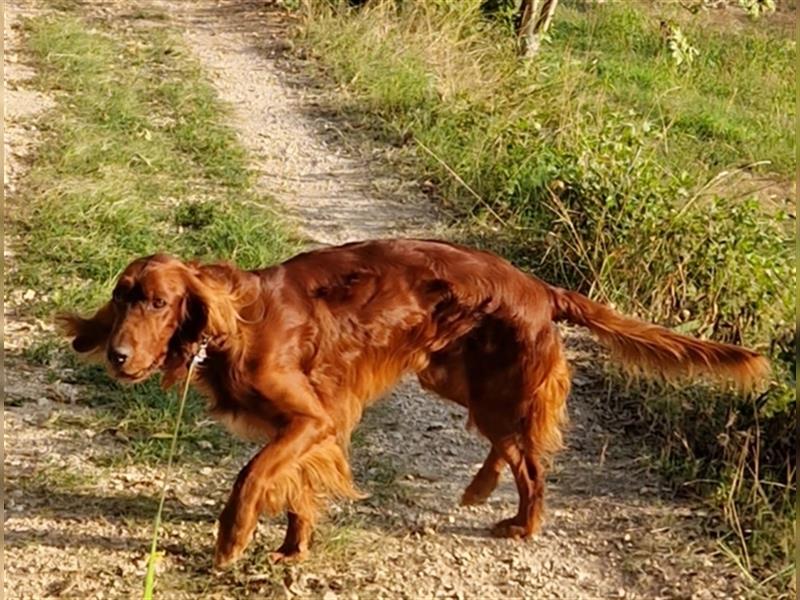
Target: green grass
605	166
142	419
135	159
60	478
732	106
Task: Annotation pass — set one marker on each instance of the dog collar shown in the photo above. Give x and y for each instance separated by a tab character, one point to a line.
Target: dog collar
201	355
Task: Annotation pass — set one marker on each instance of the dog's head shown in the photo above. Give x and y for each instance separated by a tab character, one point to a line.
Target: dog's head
159	310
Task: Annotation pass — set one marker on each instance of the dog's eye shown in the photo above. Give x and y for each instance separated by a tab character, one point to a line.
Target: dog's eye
118	295
159	303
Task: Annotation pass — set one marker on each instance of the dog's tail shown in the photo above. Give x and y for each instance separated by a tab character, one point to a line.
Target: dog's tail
655	350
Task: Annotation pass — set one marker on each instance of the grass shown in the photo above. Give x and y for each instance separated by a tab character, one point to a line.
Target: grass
141	418
135	159
60	478
732	106
604	165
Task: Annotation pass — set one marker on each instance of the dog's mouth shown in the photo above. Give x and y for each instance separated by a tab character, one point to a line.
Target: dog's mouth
140	375
137	377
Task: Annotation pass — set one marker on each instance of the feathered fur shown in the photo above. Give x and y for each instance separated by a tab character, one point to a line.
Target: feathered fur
659	351
297	351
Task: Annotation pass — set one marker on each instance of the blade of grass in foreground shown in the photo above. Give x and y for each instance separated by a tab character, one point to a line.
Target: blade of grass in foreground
134	158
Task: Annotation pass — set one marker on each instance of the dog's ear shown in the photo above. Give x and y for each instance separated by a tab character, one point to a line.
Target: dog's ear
212	301
209	309
193	321
89	335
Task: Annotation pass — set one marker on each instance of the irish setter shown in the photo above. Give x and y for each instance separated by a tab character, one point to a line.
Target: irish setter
298	350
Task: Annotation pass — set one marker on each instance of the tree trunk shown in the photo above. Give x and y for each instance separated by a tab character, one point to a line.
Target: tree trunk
535	18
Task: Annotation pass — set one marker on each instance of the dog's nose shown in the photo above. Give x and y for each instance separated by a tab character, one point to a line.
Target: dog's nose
117	356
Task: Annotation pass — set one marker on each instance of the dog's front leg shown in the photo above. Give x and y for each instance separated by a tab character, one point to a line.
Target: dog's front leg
240	515
298	536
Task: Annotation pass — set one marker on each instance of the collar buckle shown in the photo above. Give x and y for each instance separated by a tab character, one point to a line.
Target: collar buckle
201	354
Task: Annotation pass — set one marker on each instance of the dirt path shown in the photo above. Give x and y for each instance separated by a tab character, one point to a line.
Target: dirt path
334	194
610	531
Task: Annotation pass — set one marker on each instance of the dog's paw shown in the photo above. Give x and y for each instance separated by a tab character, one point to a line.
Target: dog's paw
474	497
287	556
510	528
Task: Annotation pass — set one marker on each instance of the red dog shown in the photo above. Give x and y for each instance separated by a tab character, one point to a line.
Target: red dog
297	351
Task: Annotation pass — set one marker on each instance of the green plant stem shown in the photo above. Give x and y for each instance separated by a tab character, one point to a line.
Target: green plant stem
150	575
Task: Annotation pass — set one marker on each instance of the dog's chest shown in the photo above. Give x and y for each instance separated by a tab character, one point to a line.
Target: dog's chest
234	403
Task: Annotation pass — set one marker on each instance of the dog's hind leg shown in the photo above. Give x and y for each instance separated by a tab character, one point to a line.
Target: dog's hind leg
538	437
446	376
485	480
529	477
518	384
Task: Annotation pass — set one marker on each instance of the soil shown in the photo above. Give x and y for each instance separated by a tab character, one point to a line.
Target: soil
77	522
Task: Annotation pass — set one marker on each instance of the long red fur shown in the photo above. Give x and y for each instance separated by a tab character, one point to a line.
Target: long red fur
657	350
299	350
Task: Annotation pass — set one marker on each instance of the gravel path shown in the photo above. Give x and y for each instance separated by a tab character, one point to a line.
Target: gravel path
77	529
336	195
